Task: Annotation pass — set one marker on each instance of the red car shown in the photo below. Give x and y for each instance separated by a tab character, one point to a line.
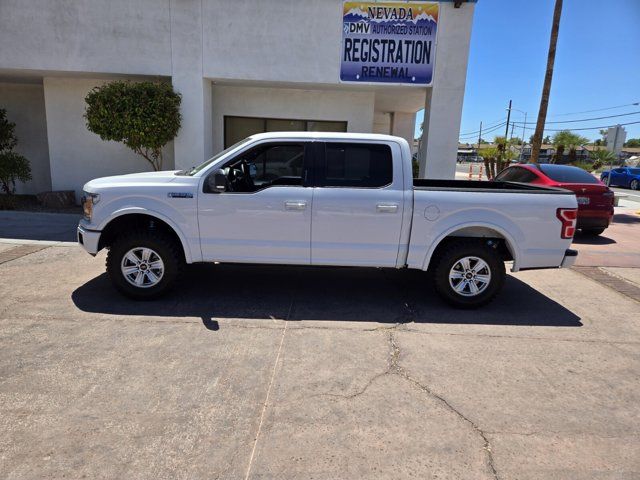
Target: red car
595	199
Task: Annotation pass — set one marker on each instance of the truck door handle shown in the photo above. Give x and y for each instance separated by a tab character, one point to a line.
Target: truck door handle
295	205
386	208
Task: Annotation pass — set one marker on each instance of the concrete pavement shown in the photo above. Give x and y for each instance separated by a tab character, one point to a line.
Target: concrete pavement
284	372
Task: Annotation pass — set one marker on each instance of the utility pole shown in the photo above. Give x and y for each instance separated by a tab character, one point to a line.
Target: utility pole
523	141
506	135
479	138
506	132
546	87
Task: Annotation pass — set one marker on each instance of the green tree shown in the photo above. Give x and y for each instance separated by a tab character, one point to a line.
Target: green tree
13	166
602	157
490	156
567	139
145	116
603	134
632	143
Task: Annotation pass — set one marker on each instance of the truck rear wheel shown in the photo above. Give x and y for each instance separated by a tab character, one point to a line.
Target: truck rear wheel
144	264
469	273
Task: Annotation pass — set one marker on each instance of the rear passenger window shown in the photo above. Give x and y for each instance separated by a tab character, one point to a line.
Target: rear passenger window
356	165
515	174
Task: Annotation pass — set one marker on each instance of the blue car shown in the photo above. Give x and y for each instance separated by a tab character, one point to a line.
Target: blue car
628	177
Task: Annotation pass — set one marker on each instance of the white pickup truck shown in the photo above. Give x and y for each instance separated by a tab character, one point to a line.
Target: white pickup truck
302	198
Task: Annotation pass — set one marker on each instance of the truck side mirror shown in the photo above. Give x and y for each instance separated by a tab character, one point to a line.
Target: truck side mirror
217	182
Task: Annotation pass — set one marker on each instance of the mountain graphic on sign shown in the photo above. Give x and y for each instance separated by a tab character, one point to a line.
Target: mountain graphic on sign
356	15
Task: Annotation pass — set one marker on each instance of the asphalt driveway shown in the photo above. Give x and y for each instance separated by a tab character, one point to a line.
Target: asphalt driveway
283	372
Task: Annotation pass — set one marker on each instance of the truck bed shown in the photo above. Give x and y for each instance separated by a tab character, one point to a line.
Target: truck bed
524	215
482	186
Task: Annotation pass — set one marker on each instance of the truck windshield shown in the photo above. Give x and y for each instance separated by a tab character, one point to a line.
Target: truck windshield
193	170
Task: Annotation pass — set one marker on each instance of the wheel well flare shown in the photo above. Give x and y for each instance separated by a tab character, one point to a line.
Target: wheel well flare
137	221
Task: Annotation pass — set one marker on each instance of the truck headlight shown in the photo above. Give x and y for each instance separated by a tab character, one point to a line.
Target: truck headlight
88	201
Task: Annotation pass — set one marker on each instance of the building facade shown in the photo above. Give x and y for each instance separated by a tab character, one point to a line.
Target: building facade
240	66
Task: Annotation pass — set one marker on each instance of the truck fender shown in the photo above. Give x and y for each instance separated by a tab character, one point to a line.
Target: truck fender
152	213
511	244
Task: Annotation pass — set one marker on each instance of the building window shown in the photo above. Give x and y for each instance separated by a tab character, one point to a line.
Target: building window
237	128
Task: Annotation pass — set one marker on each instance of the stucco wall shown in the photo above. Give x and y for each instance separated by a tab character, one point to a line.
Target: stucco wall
382	123
278	40
117	36
25	107
403	125
356	108
77	155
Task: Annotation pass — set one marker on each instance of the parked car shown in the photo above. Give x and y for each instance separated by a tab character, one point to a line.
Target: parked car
324	199
628	177
595	199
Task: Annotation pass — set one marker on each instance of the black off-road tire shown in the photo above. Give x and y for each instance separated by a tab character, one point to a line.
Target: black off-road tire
161	243
593	231
454	252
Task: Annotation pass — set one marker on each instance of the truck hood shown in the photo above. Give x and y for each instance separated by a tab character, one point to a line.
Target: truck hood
131	179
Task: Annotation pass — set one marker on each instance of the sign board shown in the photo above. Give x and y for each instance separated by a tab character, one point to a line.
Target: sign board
616	136
388	42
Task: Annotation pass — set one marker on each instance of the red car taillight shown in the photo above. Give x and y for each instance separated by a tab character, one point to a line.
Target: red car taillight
609	195
568	217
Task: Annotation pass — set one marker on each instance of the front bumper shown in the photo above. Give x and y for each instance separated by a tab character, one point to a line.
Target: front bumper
88	239
570	257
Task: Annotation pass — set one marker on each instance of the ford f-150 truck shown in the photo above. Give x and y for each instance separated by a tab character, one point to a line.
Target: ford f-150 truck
303	198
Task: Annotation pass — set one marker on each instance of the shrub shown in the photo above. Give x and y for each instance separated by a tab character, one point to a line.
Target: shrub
8	139
145	116
13	166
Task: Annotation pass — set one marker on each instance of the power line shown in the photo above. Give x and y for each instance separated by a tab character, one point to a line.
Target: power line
583	119
596	110
478	131
586	128
488	130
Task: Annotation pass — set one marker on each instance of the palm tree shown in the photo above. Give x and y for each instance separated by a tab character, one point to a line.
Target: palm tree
602	158
567	139
546	89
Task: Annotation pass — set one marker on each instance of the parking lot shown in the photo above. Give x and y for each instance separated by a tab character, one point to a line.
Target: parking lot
295	372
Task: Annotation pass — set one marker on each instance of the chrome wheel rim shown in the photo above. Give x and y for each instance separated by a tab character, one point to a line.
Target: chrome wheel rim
470	276
634	185
142	267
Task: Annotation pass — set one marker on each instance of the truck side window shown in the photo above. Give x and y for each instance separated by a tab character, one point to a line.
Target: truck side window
356	165
274	164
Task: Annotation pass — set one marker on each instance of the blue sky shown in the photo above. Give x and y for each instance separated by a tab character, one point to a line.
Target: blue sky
597	64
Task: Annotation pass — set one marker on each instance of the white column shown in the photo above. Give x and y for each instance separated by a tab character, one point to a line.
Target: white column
403	125
193	145
443	103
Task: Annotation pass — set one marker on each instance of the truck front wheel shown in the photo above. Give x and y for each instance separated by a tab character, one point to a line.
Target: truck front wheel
469	273
143	264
